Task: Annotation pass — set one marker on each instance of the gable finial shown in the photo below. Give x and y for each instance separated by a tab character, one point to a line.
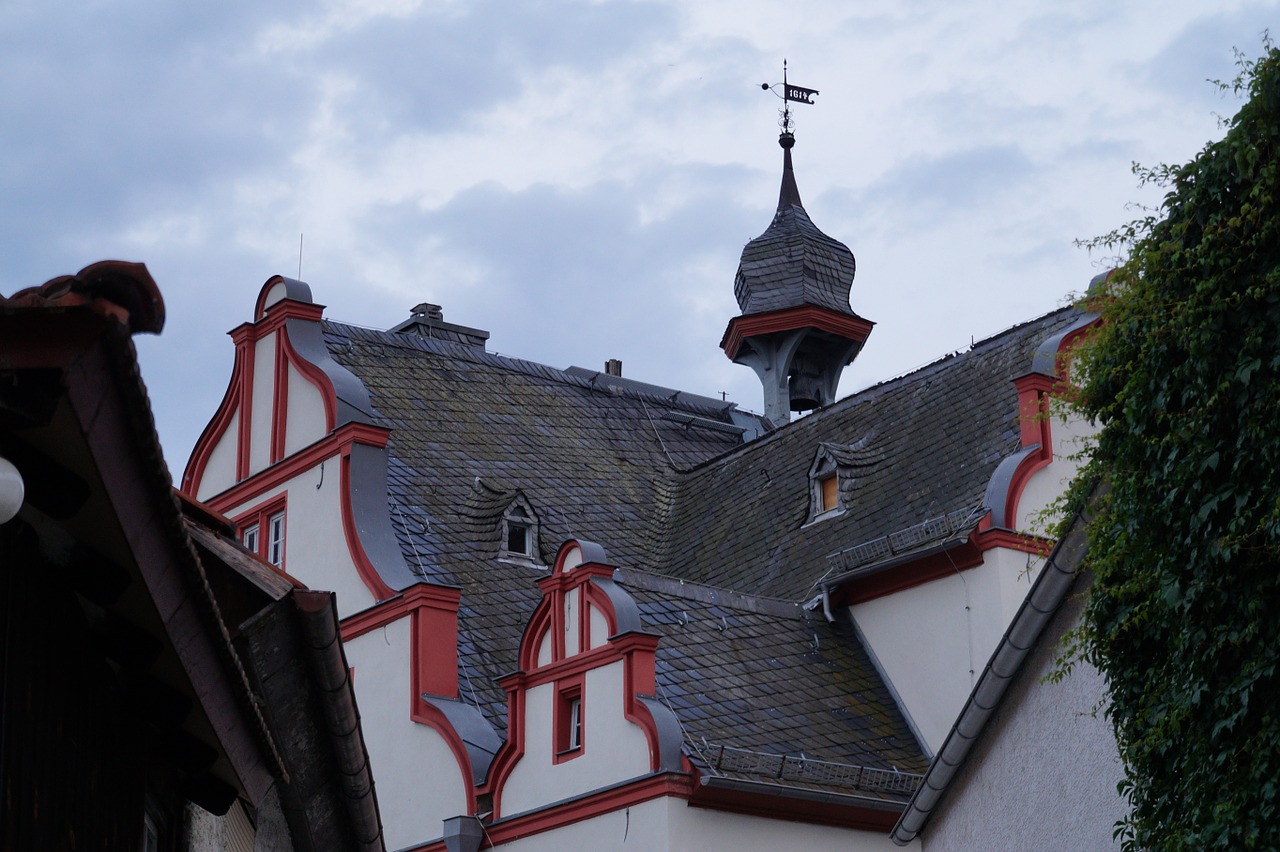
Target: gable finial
790	94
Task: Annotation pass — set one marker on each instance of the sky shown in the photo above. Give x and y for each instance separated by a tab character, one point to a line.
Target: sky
578	178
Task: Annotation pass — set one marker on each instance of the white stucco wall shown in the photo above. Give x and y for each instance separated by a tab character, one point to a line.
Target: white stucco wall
669	825
264	383
1044	774
1068	431
703	830
614	749
315	545
419	781
220	469
306	421
640	828
599	626
932	640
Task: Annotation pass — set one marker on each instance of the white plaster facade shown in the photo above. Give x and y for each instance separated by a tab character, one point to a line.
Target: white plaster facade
1044	775
932	640
412	761
614	749
671	825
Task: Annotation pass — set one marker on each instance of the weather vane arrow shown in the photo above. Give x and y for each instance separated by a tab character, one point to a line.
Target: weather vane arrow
790	94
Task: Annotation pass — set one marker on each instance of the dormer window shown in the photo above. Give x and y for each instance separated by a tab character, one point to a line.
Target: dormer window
828	493
519	531
824	487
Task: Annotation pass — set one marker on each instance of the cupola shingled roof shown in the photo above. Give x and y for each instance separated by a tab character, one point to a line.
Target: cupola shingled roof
793	263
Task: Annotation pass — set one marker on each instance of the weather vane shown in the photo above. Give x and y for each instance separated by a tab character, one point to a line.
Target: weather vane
790	94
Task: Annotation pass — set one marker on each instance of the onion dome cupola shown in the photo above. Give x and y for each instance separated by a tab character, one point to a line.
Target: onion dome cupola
796	329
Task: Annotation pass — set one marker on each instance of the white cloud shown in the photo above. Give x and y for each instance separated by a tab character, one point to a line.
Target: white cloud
580	177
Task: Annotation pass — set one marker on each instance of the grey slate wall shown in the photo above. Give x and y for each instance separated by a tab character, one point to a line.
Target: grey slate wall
1044	775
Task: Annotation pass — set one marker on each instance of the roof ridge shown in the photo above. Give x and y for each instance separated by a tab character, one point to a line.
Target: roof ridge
873	392
691	590
627	388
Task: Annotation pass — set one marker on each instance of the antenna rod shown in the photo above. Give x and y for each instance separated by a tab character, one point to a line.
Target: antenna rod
299	257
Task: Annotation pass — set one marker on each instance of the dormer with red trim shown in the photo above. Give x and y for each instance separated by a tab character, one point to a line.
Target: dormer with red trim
583	715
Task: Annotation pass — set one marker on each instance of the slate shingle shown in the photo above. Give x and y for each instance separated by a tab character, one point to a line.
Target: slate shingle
667	486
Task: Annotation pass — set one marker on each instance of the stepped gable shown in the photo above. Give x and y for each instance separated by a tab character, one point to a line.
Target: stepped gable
470	428
742	521
754	680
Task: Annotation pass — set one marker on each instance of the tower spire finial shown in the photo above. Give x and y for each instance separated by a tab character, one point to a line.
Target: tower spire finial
790	94
789	195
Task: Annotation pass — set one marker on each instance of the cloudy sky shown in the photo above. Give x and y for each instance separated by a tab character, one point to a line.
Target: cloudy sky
579	177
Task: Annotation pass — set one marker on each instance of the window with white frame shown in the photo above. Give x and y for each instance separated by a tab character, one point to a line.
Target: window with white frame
824	487
519	531
275	539
262	531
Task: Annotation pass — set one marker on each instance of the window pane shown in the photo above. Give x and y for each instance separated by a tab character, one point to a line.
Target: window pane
250	538
830	494
575	723
275	544
517	538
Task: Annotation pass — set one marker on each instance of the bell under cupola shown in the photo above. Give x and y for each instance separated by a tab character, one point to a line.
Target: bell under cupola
795	329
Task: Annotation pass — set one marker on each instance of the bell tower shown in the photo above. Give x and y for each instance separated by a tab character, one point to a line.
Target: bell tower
795	329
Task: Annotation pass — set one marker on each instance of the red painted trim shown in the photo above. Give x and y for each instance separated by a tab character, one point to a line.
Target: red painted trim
538	626
435	649
935	566
335	443
910	574
586	807
640	678
992	538
395	608
433	611
1034	390
1035	428
279	400
806	316
239	393
284	308
213	433
245	436
339	444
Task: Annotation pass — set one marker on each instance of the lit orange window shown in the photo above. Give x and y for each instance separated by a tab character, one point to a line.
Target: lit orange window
829	495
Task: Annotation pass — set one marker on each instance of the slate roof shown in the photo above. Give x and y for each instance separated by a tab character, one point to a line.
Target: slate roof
919	447
666	484
754	679
793	263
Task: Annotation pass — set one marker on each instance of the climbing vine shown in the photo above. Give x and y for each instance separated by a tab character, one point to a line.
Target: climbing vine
1183	377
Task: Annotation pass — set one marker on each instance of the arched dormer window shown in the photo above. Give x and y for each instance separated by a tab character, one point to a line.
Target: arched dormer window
520	531
835	474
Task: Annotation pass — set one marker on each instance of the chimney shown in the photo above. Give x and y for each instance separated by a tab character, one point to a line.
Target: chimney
427	321
613	367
